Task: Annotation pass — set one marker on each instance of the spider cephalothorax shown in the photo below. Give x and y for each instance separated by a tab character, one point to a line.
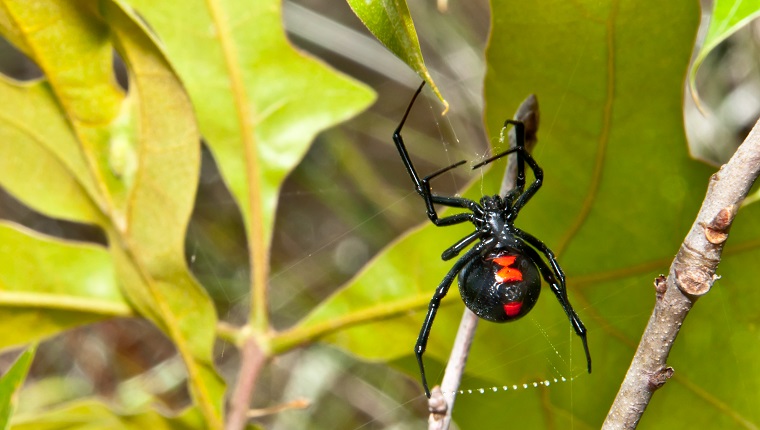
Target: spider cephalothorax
499	276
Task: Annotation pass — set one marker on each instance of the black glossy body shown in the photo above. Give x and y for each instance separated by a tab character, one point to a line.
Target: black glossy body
498	276
487	295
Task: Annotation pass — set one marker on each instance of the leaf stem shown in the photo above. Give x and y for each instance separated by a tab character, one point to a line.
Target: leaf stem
289	339
62	302
253	212
229	333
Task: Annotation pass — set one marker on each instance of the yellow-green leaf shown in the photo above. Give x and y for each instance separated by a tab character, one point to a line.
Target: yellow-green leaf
80	75
10	383
48	285
727	17
391	23
140	156
259	103
40	160
93	414
159	206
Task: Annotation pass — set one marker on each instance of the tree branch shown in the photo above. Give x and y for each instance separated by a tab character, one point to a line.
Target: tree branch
691	275
441	402
252	359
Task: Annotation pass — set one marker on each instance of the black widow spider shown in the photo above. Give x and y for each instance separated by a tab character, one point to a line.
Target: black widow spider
498	277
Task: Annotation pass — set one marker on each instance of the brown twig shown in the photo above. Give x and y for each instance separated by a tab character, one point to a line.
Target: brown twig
691	275
300	403
252	359
441	402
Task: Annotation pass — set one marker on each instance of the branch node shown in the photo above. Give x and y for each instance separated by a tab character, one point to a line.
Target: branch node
713	236
660	286
660	377
716	231
694	271
695	281
437	404
715	177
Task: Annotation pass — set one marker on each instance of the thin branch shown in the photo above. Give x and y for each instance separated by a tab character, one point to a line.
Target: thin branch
691	275
441	402
252	359
230	333
300	403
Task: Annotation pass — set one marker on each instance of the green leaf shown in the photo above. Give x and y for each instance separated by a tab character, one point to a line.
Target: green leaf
619	194
259	103
161	199
391	23
80	75
135	157
49	285
40	161
727	17
92	414
10	383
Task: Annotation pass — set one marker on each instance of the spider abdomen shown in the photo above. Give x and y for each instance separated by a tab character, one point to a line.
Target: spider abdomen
500	286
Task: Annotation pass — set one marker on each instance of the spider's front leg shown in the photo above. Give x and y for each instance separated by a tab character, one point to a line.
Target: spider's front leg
519	143
455	202
523	156
435	303
422	185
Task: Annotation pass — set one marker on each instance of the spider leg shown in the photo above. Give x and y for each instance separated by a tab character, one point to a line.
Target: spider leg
454	202
538	173
523	156
435	303
519	143
536	243
534	186
556	282
399	141
456	248
518	149
423	185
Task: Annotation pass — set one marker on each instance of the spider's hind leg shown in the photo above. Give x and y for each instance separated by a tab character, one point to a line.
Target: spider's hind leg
556	280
